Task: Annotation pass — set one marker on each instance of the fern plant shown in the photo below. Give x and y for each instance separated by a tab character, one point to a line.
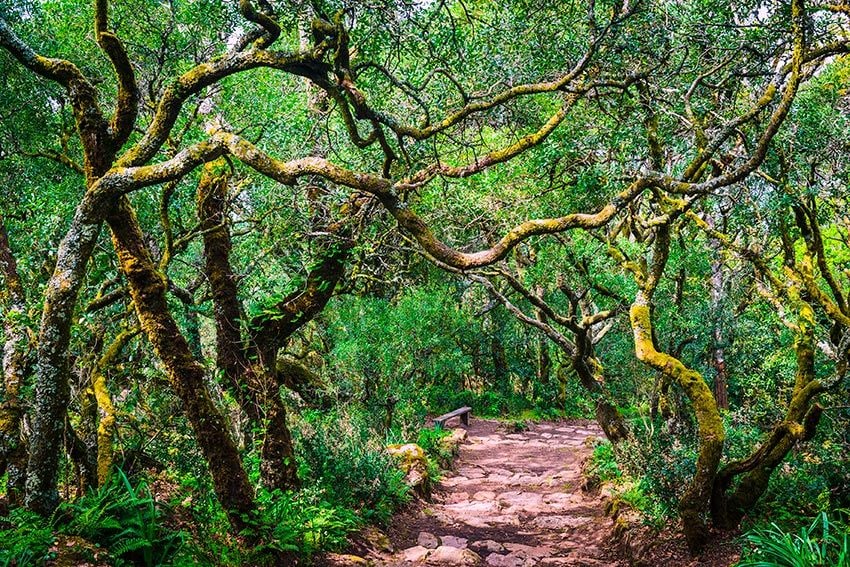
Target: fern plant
26	539
125	520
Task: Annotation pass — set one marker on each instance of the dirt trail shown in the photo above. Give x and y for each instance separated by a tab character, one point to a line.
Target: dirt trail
514	500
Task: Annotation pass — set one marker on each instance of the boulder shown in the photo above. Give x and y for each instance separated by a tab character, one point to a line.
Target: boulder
415	554
487	545
453	440
453	541
413	462
499	560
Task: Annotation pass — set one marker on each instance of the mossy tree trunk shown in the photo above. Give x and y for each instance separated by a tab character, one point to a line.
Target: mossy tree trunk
248	372
249	360
187	375
106	409
589	371
694	505
729	505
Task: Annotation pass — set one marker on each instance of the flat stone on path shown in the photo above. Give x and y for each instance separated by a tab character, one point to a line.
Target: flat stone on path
428	540
415	554
448	555
453	541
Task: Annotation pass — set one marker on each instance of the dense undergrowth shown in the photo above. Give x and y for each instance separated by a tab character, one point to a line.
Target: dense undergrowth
171	517
801	521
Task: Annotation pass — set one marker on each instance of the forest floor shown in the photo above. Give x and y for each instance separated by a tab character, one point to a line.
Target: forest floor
514	500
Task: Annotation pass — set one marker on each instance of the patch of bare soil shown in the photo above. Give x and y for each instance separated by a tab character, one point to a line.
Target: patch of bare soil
647	548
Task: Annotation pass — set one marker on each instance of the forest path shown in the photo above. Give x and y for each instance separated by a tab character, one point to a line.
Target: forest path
514	500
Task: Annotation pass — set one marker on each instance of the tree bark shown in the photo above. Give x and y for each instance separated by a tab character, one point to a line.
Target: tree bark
51	384
800	423
589	371
252	381
106	409
718	335
231	357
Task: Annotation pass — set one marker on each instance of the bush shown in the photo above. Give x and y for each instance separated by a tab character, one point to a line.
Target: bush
344	457
431	441
603	465
302	523
123	519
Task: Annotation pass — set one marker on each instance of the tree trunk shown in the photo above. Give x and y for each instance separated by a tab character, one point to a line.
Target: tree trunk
253	382
230	348
800	423
106	422
544	360
694	504
51	383
187	375
84	458
278	468
12	447
718	338
589	372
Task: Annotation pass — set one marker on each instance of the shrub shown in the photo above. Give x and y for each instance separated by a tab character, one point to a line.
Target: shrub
431	441
344	457
303	523
603	465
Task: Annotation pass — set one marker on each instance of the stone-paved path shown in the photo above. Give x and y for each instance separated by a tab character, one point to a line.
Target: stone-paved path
514	500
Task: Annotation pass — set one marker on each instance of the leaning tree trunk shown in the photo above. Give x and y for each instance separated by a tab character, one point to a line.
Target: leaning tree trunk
51	381
694	503
187	375
253	381
589	371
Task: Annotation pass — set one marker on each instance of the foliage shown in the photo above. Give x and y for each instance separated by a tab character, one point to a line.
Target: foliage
26	538
826	542
341	455
603	464
302	523
683	169
431	441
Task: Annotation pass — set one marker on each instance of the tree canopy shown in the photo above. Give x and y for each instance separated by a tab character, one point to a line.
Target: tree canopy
238	234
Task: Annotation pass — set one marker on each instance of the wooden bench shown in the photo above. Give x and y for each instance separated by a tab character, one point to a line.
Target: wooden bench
463	413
